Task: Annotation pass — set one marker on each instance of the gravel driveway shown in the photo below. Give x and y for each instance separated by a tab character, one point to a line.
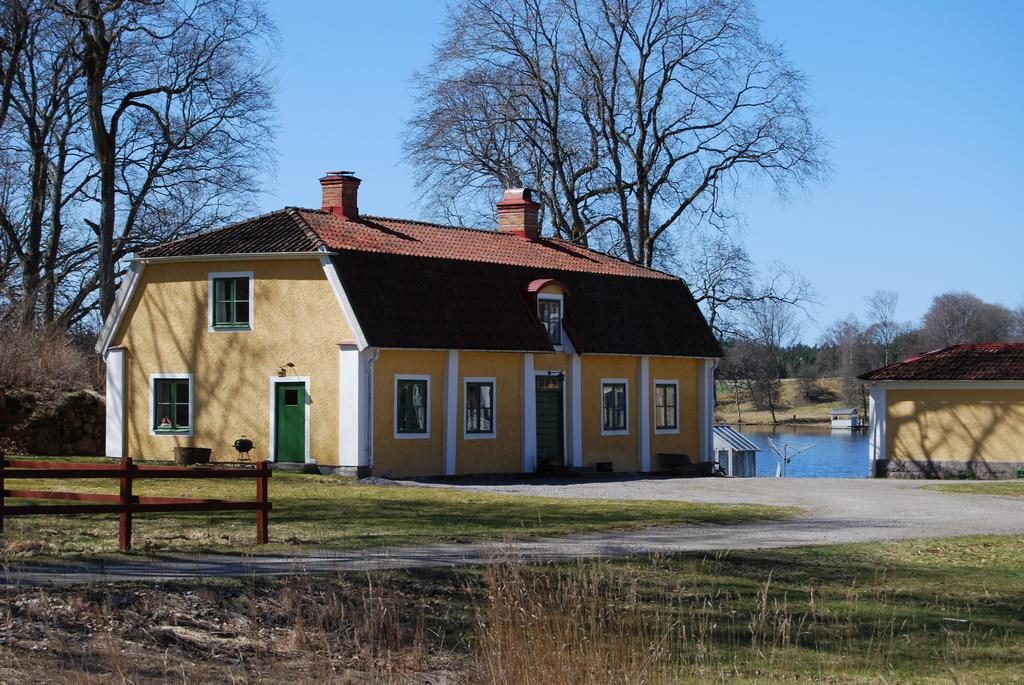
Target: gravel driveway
837	511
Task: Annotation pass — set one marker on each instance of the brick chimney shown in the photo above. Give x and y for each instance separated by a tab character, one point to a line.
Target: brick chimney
518	214
340	194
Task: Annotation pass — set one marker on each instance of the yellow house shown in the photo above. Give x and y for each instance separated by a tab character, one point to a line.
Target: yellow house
954	412
403	348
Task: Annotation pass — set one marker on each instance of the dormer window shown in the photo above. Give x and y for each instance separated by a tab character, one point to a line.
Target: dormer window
550	311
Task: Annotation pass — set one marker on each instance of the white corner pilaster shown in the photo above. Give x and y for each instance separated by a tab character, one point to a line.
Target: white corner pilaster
877	409
576	410
451	410
706	407
115	402
643	392
353	406
346	306
529	415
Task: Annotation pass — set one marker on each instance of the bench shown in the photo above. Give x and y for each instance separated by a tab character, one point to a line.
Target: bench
682	465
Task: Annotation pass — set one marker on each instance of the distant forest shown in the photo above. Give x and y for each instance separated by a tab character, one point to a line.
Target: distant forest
765	348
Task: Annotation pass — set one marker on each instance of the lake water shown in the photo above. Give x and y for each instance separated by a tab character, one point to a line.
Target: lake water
835	454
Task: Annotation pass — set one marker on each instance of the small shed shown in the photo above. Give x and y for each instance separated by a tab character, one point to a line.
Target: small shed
735	453
845	418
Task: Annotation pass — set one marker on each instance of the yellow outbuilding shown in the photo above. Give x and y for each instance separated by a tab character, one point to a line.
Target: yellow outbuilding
404	348
952	413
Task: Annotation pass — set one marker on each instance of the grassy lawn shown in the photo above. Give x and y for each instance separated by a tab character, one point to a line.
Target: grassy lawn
313	511
1004	488
936	611
793	404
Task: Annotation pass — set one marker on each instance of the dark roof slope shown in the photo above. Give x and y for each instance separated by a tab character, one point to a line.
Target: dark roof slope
981	362
280	231
416	302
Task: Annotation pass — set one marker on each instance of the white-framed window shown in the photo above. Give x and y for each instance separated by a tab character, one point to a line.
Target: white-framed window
666	406
412	406
614	406
479	399
231	301
171	404
550	310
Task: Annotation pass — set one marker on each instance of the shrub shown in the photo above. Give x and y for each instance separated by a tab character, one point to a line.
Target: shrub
47	359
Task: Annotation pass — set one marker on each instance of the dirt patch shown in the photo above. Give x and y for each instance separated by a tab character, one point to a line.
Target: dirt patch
283	630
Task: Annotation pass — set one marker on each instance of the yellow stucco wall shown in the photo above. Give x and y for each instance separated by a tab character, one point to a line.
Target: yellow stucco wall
407	456
621	450
955	425
504	452
166	331
686	372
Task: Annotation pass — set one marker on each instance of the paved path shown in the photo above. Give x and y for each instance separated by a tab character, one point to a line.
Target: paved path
838	511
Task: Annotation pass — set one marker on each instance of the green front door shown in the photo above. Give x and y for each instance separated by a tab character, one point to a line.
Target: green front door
290	422
549	420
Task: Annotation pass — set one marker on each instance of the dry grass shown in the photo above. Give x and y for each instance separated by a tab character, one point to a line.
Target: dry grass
46	359
944	611
317	512
792	404
1014	488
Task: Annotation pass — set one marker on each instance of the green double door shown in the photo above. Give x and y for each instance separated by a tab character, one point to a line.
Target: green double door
550	421
290	422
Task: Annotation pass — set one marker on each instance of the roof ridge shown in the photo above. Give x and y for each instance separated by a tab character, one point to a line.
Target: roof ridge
296	213
492	232
227	227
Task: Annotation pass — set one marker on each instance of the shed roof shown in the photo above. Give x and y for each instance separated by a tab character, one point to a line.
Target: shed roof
734	439
978	362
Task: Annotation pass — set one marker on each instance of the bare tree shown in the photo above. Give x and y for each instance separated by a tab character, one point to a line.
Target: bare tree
885	329
631	117
771	327
14	30
960	317
726	282
178	99
45	169
849	342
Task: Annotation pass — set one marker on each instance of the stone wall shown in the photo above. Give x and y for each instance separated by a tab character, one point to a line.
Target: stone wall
952	470
57	423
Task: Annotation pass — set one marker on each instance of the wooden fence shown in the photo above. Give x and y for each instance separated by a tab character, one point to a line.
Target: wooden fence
125	504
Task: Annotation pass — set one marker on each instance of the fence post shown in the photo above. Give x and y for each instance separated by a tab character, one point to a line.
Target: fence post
124	527
262	473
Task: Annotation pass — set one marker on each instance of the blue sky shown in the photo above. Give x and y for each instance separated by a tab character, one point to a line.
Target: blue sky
922	102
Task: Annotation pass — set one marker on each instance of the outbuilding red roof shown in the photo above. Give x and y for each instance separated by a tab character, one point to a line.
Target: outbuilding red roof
979	362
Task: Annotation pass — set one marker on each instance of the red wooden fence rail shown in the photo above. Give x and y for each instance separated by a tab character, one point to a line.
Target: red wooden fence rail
125	504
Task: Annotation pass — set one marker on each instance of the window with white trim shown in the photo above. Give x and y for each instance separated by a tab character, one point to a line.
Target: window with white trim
666	406
479	400
549	309
412	406
231	301
172	404
614	409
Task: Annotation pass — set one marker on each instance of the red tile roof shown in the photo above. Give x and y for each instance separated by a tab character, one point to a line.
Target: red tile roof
306	230
420	285
980	362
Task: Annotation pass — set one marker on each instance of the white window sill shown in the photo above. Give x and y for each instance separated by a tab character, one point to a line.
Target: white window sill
612	433
666	431
230	329
412	436
479	436
171	433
